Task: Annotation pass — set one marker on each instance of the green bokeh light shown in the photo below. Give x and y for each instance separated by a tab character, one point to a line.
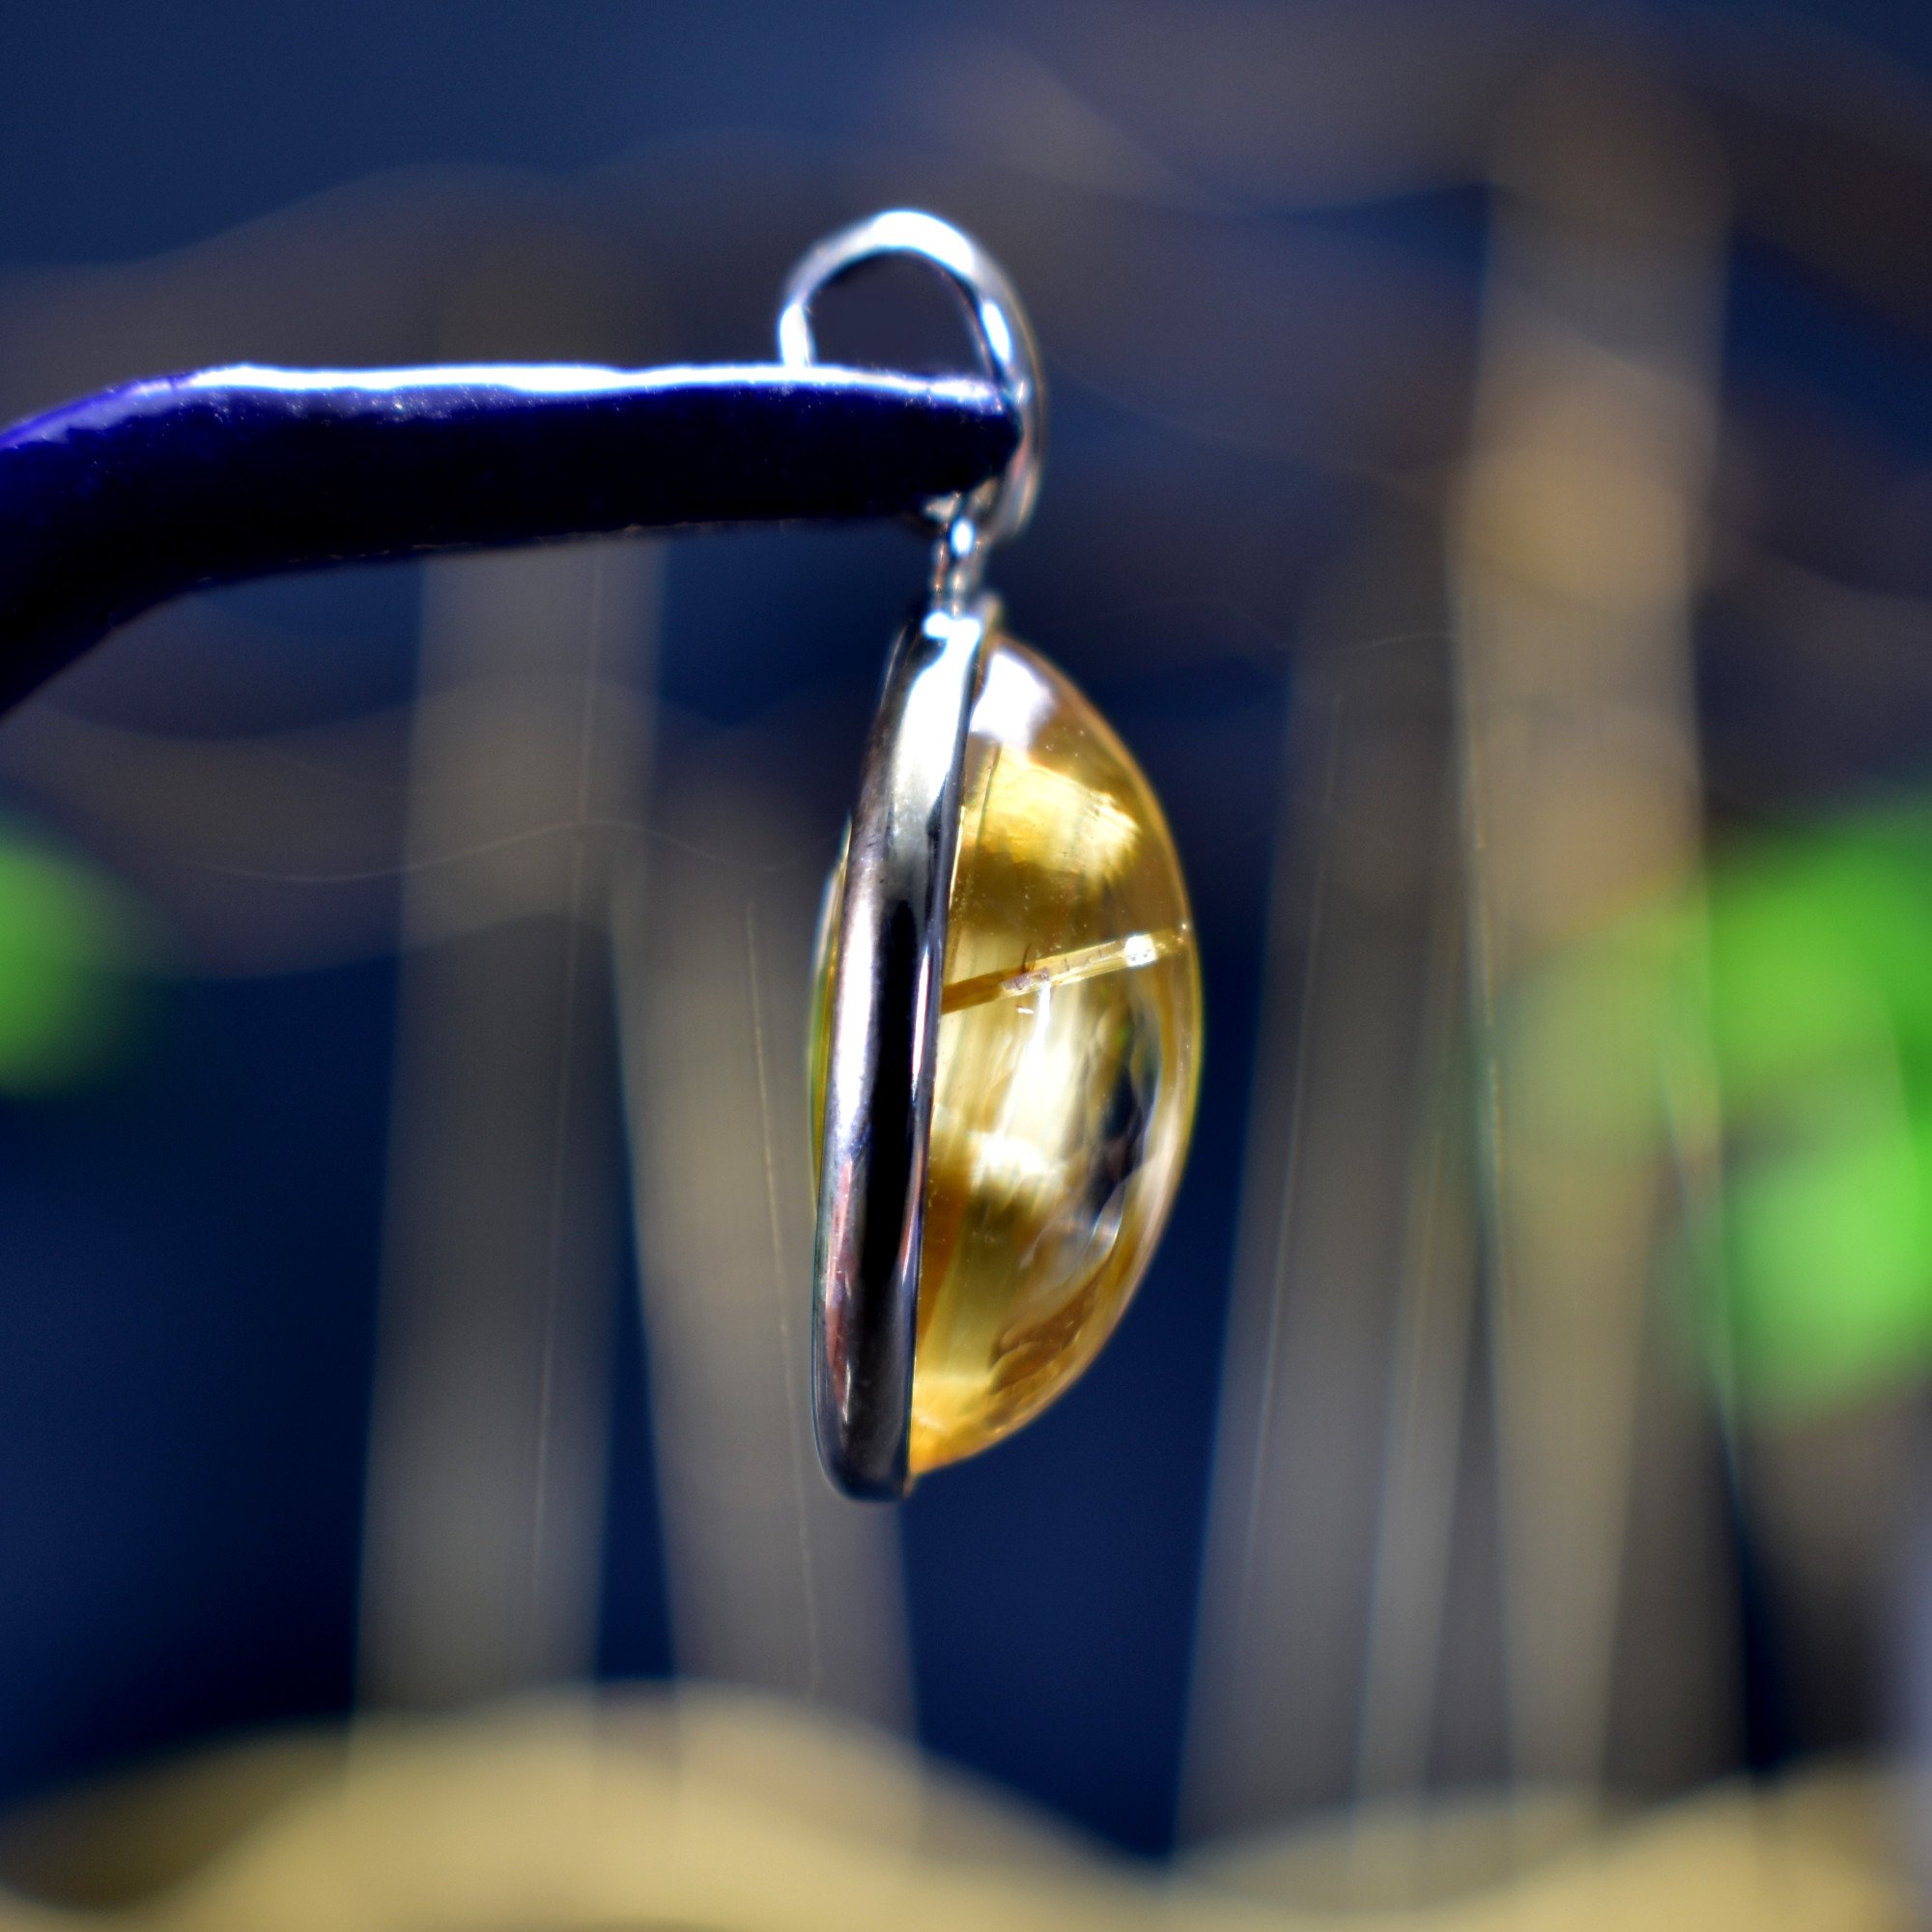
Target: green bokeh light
1819	948
1801	993
73	949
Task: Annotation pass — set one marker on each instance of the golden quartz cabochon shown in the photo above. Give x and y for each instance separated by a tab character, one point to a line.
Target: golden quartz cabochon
1070	1053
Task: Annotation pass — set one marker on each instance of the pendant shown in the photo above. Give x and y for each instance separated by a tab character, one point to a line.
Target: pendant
1006	1036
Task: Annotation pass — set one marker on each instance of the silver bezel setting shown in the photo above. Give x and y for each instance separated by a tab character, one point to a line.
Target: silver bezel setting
883	1043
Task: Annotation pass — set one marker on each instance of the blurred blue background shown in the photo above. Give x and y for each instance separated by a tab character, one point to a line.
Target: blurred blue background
256	1175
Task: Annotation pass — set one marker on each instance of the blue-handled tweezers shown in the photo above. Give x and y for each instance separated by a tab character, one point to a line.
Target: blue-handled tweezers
114	503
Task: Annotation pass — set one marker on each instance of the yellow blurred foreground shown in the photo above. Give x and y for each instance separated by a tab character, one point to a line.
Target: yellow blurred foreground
702	1808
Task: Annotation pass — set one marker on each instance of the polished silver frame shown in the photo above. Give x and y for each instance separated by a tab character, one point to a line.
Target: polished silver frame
890	918
883	1042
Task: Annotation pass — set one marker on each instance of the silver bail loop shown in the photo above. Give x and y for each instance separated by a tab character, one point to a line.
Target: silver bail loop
1007	348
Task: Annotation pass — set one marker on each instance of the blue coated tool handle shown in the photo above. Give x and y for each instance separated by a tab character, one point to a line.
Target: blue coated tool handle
112	504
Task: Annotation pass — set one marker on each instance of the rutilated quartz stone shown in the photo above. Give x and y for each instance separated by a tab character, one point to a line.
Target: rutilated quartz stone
1070	1047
